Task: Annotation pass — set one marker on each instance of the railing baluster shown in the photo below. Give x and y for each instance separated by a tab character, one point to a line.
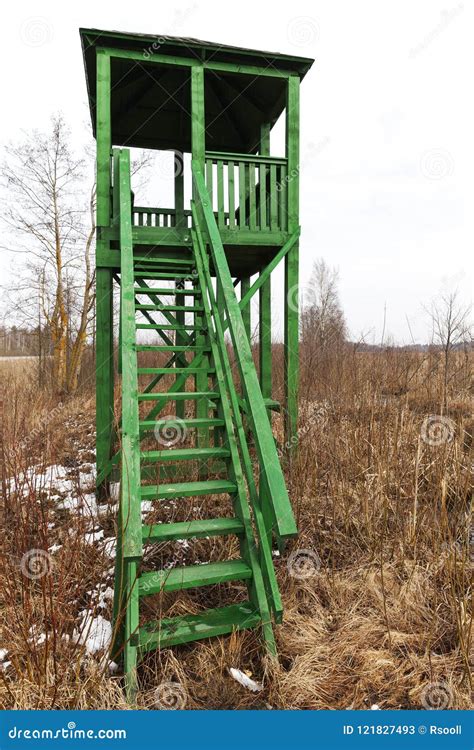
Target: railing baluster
220	194
242	195
209	165
262	174
283	203
252	198
230	168
273	198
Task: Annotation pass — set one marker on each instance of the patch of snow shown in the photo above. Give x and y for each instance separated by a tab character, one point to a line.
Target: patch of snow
4	665
54	548
113	667
375	707
245	681
95	633
108	546
94	536
3	654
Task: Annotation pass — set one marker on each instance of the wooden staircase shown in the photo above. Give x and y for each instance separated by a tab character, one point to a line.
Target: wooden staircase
218	412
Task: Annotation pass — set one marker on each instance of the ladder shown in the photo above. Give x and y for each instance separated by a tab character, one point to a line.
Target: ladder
210	447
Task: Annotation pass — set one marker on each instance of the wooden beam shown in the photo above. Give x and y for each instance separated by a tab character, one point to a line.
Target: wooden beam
291	323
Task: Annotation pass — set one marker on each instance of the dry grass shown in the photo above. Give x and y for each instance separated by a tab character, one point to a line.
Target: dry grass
385	614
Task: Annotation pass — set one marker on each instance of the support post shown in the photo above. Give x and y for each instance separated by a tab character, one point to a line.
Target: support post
104	282
179	283
246	312
265	302
291	337
198	129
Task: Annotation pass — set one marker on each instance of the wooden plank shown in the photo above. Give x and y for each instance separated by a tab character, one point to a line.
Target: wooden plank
192	576
291	321
198	529
246	310
231	188
130	464
273	199
262	170
242	195
187	489
185	454
252	198
210	623
220	194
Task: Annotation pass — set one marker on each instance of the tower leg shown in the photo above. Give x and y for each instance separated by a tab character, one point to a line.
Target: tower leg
104	376
291	373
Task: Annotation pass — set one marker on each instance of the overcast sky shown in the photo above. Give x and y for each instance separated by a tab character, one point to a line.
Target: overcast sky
386	127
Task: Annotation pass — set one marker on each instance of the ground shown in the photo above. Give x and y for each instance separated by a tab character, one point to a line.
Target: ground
376	589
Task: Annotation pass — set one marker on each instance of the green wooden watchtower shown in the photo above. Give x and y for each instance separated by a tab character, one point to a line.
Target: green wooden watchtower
194	416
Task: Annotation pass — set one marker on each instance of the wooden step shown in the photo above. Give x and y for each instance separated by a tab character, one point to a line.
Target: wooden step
154	261
169	308
171	275
212	622
192	576
163	290
170	348
187	489
185	454
172	370
178	396
151	424
166	532
169	327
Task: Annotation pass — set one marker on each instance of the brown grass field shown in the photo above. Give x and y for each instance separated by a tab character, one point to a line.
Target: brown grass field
380	615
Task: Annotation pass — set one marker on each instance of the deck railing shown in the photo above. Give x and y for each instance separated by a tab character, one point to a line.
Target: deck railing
159	217
247	192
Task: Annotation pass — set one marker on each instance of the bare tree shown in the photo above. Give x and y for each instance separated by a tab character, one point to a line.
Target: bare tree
322	320
451	330
53	222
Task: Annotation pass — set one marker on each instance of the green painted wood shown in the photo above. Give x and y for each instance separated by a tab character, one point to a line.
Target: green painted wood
169	308
170	348
246	310
130	464
165	327
267	574
176	291
179	395
285	526
265	338
190	370
208	624
187	489
291	322
192	576
190	423
199	529
185	454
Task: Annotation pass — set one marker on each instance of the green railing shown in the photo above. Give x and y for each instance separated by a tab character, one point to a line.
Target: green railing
159	217
130	510
247	192
277	509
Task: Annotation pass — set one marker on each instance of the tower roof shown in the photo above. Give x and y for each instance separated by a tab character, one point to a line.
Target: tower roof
151	101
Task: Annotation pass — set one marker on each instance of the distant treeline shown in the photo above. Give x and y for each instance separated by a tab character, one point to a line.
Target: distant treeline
17	341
